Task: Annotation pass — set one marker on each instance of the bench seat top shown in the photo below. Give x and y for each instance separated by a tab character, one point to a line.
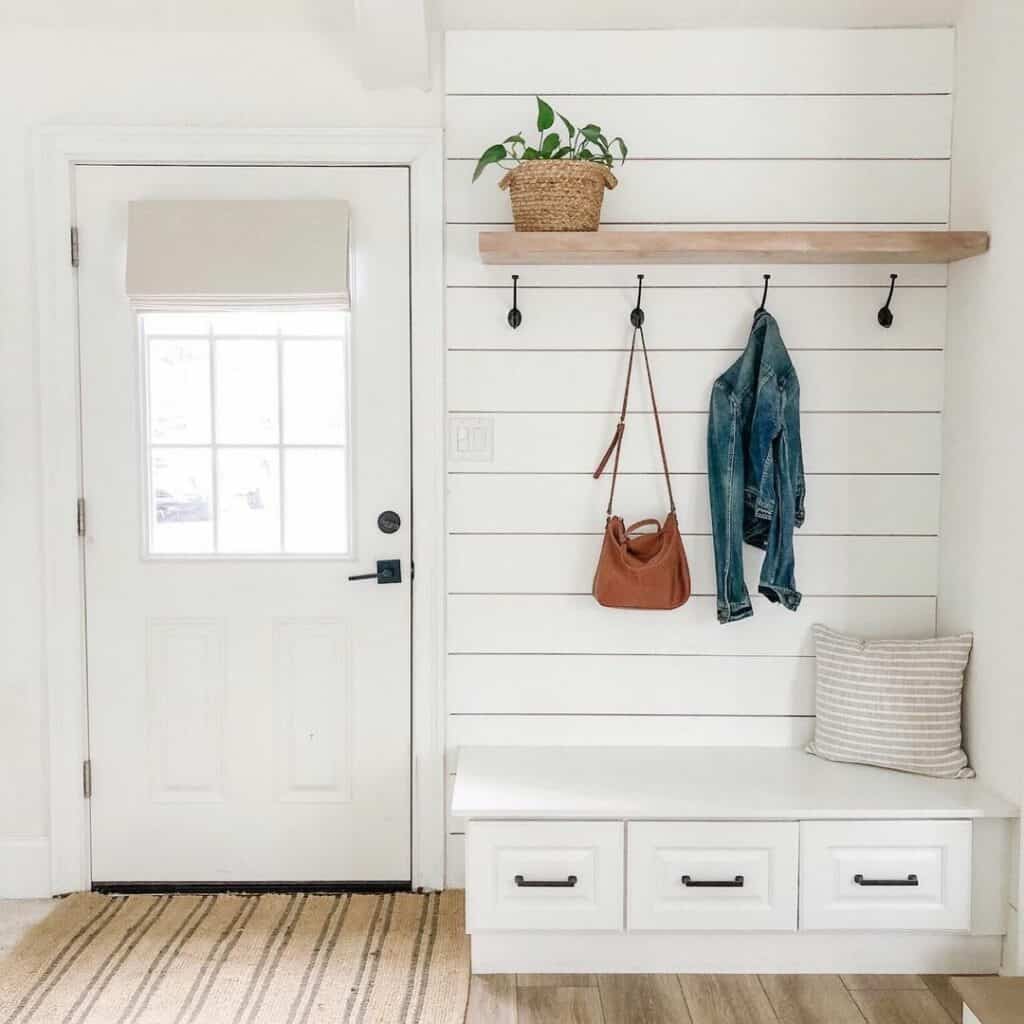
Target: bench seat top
701	783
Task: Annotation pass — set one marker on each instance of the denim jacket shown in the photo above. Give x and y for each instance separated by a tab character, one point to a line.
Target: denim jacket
756	470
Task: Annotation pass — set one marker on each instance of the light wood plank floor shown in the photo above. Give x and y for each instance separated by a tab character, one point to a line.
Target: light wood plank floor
712	999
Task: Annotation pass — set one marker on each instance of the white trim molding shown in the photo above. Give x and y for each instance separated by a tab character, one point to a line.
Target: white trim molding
735	952
24	868
56	152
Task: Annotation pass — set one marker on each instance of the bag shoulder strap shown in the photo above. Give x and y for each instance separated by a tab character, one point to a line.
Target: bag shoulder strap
615	448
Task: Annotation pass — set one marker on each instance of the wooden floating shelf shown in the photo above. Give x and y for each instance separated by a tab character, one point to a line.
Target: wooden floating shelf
565	248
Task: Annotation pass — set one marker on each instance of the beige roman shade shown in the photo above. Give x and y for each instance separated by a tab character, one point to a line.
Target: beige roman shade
237	254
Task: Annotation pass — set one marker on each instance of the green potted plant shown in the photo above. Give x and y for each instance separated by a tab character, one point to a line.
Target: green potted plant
557	184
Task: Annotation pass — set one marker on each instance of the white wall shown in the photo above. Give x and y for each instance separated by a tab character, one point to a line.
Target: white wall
839	128
240	80
982	561
873	149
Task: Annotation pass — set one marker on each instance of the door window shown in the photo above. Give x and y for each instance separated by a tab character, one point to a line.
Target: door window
246	433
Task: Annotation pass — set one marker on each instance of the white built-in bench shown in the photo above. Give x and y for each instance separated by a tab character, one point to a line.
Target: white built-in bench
625	859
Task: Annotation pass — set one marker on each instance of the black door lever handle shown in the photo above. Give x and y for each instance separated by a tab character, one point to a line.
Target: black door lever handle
389	570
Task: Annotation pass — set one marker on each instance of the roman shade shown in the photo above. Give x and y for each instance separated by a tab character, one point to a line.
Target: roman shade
221	254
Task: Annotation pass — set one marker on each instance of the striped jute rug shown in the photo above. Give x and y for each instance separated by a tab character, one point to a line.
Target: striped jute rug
285	959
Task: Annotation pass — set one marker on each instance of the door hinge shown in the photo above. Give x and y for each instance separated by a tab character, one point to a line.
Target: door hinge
74	246
80	516
87	779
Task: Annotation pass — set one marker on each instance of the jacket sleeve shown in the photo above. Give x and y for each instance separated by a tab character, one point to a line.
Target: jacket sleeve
778	570
725	490
795	449
764	430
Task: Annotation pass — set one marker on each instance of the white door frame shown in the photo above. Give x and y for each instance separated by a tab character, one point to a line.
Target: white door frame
56	152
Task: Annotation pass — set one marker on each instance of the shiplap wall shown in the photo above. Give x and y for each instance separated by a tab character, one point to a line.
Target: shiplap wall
735	128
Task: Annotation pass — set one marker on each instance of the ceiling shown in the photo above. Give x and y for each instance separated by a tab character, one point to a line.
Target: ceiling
336	15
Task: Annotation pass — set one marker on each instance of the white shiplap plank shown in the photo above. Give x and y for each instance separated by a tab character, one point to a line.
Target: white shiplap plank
715	127
582	381
546	624
625	730
537	503
564	564
731	191
606	684
464	269
725	61
693	318
832	443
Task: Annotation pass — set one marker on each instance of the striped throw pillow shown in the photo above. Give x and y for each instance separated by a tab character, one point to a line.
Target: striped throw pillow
894	704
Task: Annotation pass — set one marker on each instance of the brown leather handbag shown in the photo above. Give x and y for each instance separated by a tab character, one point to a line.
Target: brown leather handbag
640	569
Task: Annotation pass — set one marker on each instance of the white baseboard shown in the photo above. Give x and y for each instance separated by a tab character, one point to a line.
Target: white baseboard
734	953
455	864
25	868
1013	963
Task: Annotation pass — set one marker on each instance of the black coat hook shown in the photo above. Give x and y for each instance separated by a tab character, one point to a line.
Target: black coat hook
885	317
515	318
764	295
636	317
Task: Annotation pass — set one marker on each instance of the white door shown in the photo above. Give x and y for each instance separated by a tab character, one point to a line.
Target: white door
249	706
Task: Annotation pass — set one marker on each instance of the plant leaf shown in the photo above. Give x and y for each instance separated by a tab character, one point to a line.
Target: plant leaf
518	137
568	126
545	115
591	132
550	144
563	152
585	154
491	155
622	147
530	153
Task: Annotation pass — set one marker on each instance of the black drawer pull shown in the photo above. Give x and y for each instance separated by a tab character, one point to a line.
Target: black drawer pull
696	883
909	880
556	883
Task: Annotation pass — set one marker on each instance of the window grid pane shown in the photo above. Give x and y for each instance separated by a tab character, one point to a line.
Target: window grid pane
231	416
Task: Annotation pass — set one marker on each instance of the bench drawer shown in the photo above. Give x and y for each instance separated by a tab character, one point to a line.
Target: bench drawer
544	875
692	876
899	875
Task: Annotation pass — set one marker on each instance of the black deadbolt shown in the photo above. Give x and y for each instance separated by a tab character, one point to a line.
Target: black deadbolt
389	522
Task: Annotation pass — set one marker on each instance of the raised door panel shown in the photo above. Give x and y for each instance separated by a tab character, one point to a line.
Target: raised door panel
313	711
185	688
544	875
694	876
895	875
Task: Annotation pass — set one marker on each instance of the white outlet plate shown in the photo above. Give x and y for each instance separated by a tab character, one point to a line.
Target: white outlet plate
471	439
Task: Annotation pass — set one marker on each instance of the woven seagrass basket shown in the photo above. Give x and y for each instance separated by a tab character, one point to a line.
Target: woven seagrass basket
557	195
